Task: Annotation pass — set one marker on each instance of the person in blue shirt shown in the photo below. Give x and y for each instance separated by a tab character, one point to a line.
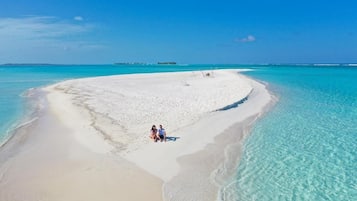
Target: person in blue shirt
162	134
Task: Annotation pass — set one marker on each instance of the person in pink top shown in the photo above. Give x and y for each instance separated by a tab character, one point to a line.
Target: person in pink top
153	133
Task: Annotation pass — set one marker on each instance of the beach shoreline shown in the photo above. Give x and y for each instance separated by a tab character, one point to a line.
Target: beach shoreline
43	161
89	140
212	168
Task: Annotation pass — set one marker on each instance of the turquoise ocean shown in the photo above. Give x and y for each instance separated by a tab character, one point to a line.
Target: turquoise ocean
304	148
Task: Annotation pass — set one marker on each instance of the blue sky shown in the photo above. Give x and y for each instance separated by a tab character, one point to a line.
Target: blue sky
107	31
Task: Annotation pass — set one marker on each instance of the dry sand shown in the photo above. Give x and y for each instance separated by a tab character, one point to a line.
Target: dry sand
93	142
45	162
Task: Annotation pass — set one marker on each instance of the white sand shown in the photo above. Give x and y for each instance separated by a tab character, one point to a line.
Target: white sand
110	117
123	108
45	162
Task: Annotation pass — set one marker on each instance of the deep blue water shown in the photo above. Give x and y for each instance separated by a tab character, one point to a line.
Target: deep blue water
305	148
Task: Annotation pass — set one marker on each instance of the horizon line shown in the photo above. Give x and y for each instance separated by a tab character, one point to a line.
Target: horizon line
178	64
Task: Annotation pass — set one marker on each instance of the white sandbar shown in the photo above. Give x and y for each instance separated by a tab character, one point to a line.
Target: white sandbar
110	117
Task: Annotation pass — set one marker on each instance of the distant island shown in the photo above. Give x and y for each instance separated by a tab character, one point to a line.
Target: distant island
130	63
141	63
167	63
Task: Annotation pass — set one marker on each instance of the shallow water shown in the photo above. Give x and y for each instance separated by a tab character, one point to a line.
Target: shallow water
305	147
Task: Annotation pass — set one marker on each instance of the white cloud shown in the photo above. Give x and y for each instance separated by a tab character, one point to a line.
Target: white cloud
249	38
40	28
38	36
78	18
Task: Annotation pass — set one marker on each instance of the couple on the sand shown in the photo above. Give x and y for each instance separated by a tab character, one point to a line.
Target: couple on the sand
158	134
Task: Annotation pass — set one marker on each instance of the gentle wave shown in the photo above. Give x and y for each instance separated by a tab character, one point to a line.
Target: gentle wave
34	105
13	128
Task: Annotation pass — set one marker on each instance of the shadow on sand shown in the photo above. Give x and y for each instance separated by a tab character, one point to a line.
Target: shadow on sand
170	138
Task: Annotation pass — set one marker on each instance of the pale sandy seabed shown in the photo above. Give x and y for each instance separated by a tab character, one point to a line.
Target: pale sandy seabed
91	141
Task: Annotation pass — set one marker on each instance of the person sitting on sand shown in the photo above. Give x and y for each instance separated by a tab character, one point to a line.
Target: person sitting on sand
162	134
153	133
